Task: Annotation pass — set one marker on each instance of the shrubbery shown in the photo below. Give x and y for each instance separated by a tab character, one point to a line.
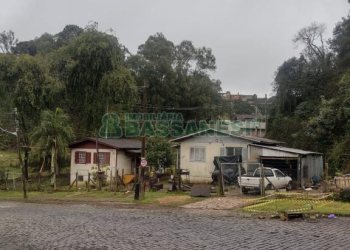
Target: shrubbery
343	195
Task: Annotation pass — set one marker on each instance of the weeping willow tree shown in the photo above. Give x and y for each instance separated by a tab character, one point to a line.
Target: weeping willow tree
92	69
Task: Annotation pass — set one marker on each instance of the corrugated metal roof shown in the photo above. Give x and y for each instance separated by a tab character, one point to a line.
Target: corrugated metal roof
121	143
248	138
289	150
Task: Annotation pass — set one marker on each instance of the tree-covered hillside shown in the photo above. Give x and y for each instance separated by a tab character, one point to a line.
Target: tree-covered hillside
312	104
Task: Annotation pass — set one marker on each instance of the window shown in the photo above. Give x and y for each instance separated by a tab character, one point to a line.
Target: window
279	173
104	158
197	154
231	151
267	173
82	157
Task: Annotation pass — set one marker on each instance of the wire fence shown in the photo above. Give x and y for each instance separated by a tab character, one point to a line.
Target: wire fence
12	181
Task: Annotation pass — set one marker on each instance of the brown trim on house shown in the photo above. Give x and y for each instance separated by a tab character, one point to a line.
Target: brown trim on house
77	157
91	145
106	158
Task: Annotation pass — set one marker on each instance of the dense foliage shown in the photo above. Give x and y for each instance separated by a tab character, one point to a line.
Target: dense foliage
311	109
86	73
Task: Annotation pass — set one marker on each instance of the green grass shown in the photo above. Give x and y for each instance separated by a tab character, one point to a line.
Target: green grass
155	198
307	206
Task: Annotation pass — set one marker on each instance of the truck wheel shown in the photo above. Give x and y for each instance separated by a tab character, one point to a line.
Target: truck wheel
289	186
244	190
268	187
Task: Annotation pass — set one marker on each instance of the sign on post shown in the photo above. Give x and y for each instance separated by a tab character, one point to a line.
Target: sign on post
143	162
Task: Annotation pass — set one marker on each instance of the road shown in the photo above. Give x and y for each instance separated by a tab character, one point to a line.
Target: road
52	226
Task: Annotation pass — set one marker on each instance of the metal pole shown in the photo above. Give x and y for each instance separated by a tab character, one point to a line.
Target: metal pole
178	167
76	182
240	180
24	183
262	176
221	182
13	182
98	164
88	184
139	185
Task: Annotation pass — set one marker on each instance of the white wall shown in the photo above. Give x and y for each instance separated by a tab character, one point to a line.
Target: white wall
123	162
201	171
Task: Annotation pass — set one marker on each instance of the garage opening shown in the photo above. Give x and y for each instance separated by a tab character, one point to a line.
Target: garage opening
287	165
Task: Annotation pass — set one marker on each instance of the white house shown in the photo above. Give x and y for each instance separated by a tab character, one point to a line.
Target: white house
114	154
196	151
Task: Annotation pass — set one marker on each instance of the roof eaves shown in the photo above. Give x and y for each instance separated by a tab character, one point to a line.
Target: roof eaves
288	150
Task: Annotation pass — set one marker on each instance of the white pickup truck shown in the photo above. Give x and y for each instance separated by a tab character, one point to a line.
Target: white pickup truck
273	178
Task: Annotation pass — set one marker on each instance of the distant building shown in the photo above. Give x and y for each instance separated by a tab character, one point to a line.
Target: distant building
250	124
238	97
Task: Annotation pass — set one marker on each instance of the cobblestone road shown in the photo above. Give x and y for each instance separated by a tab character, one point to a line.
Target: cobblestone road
48	226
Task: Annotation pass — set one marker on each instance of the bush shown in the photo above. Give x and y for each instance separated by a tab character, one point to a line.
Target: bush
343	195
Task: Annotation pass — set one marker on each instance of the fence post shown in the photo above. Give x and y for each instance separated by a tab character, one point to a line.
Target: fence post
262	176
240	175
221	181
6	177
122	174
110	180
76	182
14	182
39	182
88	182
116	180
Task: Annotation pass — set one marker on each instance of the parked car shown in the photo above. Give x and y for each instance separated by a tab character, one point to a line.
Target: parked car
274	178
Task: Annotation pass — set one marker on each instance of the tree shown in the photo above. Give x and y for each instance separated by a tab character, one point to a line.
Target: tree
68	33
116	86
177	76
7	41
45	43
312	38
340	43
53	134
158	151
26	47
81	65
34	90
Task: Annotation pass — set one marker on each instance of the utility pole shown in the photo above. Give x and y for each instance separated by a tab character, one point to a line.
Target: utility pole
143	150
24	180
99	174
139	189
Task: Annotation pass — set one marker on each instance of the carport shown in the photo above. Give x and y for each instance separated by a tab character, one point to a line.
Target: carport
299	164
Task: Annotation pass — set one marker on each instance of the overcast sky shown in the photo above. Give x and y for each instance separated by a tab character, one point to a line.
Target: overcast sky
250	38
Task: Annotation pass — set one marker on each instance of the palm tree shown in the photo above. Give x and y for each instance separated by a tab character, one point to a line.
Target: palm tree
53	134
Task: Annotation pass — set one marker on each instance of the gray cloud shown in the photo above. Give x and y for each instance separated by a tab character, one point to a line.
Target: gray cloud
250	38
